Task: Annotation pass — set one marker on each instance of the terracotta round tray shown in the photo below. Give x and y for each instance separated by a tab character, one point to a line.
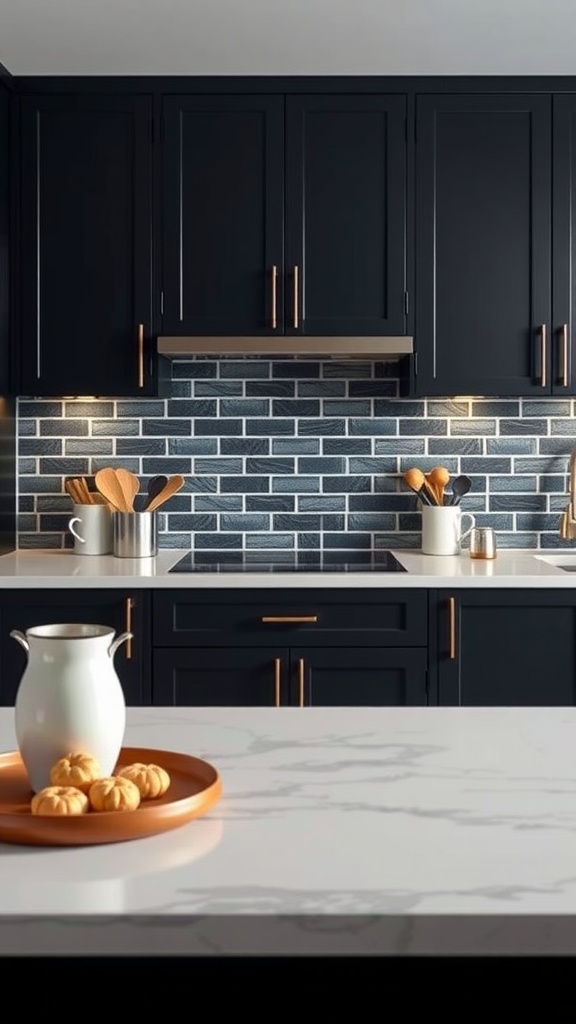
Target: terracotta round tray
195	786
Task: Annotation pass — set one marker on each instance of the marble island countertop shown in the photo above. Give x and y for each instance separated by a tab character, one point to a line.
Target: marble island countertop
511	568
340	831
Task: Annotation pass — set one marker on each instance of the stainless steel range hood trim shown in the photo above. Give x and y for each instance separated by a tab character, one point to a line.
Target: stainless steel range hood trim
336	348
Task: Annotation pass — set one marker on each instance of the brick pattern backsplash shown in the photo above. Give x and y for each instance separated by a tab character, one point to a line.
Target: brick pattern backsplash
288	454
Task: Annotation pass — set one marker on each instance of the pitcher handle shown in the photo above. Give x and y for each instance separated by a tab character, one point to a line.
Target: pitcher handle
116	643
19	636
470	528
74	533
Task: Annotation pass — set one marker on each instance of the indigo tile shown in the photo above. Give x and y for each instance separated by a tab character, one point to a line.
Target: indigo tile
380	389
497	520
370	521
545	464
343	541
348	370
28	522
175	540
295	407
562	427
65	467
511	446
347	446
489	465
40	485
321	503
181	389
492	407
26	502
63	428
198	369
295	370
51	522
423	427
39	446
140	446
270	389
555	446
169	466
285	521
192	407
245	484
92	409
218	541
552	484
218	389
167	427
245	369
40	540
346	484
390	484
295	484
244	446
321	465
27	428
90	446
201	484
475	426
535	521
38	407
192	446
455	446
307	541
346	407
545	407
296	446
517	503
269	428
513	482
376	426
405	541
189	521
319	427
114	462
218	465
427	462
115	428
244	407
447	407
242	523
382	503
321	388
518	426
333	522
270	503
141	407
518	540
217	428
271	465
400	446
269	541
375	465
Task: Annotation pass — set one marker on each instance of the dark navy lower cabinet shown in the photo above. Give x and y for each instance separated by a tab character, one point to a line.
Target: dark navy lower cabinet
505	647
119	609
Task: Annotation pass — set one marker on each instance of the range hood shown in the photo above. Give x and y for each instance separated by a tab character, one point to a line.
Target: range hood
382	349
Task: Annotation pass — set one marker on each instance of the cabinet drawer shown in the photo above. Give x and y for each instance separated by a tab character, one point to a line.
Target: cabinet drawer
335	618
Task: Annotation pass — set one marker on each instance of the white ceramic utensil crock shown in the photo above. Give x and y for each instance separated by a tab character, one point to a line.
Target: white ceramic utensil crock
70	698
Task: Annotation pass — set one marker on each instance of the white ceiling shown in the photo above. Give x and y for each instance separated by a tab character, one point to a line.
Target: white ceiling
288	37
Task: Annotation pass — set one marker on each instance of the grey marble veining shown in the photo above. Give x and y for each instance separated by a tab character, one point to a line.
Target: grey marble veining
348	831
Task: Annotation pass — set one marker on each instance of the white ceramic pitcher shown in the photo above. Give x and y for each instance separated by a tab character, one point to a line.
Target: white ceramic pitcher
70	698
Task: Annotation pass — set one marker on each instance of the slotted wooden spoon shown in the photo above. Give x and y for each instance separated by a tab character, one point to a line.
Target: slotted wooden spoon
109	485
174	484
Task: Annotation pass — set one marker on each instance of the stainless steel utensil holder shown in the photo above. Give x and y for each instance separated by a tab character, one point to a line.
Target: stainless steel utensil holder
134	534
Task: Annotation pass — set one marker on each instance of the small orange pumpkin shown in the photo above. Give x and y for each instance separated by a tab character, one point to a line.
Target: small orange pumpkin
56	800
151	779
78	770
114	794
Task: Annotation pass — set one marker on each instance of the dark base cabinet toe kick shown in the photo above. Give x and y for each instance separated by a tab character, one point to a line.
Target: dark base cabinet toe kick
319	646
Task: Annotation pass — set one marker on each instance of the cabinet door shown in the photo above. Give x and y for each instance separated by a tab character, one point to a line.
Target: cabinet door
118	609
483	245
507	648
564	235
345	215
358	677
86	245
223	214
217	677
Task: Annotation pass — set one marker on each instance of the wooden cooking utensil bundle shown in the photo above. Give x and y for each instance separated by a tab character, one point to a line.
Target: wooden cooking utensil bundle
78	490
119	487
430	487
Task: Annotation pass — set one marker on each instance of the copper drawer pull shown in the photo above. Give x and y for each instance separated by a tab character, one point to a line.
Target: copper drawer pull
274	323
140	355
289	618
128	628
543	379
452	628
277	669
301	668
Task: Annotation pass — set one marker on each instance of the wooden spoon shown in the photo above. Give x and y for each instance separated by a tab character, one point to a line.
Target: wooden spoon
157	483
109	485
416	481
174	484
130	485
438	478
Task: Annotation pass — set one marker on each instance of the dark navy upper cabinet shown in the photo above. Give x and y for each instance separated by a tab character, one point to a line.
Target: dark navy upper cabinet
483	245
223	202
345	215
284	215
562	342
86	245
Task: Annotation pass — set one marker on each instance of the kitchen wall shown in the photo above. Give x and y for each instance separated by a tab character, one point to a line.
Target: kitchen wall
291	454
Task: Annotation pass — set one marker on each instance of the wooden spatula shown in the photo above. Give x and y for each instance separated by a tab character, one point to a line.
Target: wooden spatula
174	484
130	485
109	485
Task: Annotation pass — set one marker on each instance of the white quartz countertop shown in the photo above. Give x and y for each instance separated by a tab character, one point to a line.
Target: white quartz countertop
340	831
45	569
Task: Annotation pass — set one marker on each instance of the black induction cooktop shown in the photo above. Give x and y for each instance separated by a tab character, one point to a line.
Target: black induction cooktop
301	562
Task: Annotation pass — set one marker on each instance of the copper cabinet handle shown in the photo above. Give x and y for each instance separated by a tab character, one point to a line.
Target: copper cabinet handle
452	628
128	627
301	670
140	355
543	380
277	673
564	355
296	296
289	618
274	319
